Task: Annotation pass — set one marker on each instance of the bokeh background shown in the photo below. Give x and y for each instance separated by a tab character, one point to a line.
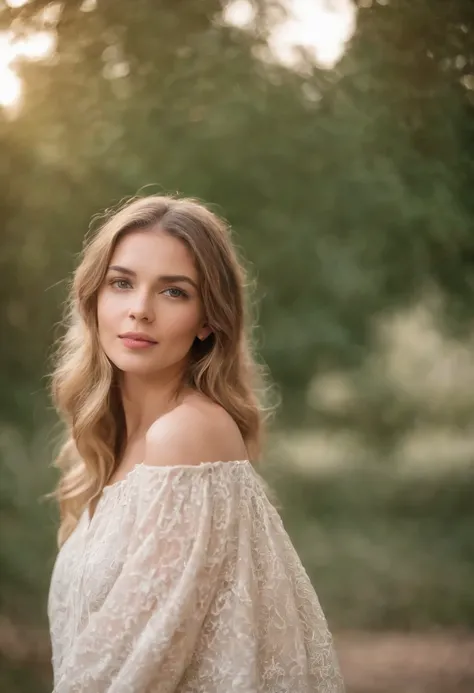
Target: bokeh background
338	140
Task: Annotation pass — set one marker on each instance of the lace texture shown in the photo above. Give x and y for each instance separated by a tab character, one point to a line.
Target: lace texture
185	581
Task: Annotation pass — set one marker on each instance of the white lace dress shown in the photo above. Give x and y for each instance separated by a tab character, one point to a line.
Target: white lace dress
185	581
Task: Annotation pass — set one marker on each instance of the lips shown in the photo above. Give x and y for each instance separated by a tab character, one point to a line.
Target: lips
137	344
136	341
137	337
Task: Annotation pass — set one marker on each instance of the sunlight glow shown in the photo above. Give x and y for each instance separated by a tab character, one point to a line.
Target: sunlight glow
239	13
36	46
10	87
315	27
16	3
321	28
88	6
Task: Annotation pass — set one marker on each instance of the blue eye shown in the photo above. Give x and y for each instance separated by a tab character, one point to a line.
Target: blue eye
180	294
116	282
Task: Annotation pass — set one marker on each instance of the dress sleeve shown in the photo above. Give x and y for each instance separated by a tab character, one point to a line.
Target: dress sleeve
211	598
143	636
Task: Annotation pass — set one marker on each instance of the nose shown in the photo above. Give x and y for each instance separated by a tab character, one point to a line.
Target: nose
141	308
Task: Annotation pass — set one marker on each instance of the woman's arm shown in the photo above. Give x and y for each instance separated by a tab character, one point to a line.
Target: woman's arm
143	636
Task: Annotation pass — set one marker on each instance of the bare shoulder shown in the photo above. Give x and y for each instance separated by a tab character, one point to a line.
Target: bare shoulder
196	431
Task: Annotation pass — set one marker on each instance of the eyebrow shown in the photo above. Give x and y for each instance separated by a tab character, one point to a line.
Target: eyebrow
161	278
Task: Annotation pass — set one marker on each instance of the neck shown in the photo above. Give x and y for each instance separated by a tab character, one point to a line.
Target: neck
145	400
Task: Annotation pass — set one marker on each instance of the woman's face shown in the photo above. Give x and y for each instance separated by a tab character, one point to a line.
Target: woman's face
152	288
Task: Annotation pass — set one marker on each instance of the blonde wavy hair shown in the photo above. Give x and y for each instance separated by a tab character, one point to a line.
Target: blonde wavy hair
84	383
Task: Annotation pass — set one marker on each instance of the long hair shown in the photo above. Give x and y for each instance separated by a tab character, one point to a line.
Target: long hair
84	384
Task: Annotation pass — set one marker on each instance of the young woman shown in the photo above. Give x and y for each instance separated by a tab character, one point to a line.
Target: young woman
174	572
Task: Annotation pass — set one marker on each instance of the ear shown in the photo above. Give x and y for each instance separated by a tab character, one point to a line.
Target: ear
204	332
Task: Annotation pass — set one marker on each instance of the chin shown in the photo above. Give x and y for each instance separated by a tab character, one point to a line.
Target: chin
133	363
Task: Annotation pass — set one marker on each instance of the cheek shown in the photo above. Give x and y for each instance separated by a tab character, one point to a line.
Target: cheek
182	322
107	313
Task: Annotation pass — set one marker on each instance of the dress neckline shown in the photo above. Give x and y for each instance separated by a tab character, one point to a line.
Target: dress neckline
157	467
122	483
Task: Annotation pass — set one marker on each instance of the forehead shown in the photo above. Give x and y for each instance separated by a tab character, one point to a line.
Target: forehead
153	252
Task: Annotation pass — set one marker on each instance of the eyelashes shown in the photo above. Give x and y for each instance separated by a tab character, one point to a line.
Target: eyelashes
115	283
182	294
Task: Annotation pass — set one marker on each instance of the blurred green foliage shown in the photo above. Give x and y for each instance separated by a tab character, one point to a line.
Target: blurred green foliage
386	552
349	192
348	189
